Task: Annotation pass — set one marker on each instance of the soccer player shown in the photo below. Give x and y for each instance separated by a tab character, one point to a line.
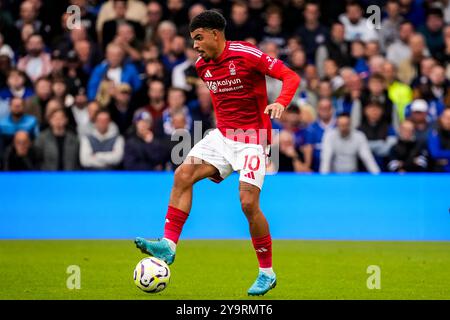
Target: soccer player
234	72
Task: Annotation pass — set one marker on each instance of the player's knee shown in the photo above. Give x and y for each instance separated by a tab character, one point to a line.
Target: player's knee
249	206
184	176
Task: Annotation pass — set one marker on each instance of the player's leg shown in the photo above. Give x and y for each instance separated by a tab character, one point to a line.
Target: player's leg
262	242
186	175
180	203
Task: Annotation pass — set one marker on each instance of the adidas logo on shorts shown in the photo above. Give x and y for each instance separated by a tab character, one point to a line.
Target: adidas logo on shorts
250	175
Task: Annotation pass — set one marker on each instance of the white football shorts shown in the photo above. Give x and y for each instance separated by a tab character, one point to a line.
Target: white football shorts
228	156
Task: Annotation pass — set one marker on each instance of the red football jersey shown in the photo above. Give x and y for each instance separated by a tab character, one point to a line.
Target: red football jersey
237	84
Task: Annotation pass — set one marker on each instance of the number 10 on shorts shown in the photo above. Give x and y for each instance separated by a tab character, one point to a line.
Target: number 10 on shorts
252	162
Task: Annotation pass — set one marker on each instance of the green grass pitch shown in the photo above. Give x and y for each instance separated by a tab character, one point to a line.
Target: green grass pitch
215	269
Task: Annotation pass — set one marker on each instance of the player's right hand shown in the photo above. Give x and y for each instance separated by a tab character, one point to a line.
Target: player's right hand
275	110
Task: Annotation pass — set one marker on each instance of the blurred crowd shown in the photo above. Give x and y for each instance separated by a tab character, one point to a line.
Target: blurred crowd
107	91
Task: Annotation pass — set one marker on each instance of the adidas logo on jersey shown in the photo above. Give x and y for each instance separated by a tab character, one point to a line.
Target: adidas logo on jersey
250	175
208	74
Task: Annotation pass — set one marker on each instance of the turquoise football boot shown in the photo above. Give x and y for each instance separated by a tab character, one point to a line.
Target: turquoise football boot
159	249
262	284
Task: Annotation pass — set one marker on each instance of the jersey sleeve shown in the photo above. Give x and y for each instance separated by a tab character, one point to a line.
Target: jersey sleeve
268	65
275	68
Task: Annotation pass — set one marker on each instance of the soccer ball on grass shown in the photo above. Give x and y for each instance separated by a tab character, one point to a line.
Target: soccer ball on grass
151	275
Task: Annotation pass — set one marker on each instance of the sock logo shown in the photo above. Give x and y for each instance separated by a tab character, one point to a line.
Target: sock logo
261	250
167	220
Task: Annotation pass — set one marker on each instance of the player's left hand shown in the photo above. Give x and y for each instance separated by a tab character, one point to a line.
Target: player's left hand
275	110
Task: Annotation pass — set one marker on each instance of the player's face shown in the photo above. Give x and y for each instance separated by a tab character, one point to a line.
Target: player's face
206	43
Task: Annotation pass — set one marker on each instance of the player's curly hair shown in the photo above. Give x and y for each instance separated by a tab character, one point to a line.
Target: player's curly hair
209	19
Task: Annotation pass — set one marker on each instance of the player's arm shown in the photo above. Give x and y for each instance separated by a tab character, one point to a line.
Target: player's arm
291	81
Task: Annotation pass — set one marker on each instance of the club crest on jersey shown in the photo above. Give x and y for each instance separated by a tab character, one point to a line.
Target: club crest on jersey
232	68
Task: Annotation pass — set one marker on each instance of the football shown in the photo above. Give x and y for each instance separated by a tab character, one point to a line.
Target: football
151	275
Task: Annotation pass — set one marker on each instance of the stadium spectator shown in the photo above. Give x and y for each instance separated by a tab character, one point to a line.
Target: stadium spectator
76	71
413	11
144	151
312	33
408	68
377	92
16	121
389	31
184	75
399	50
194	9
399	93
419	117
80	113
290	159
291	121
350	101
177	12
16	86
432	31
28	15
93	108
165	33
20	155
356	26
379	132
331	71
135	10
35	105
110	27
87	18
314	133
439	143
423	76
60	92
336	46
202	108
176	101
127	40
358	58
154	70
273	30
157	103
154	16
239	26
58	63
439	86
121	109
375	62
343	146
37	62
57	148
114	71
56	104
5	49
103	148
408	155
175	56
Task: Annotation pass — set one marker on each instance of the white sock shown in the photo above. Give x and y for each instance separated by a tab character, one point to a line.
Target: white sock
268	271
172	244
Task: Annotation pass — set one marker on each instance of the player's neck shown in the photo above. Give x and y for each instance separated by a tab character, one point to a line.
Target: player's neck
222	46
